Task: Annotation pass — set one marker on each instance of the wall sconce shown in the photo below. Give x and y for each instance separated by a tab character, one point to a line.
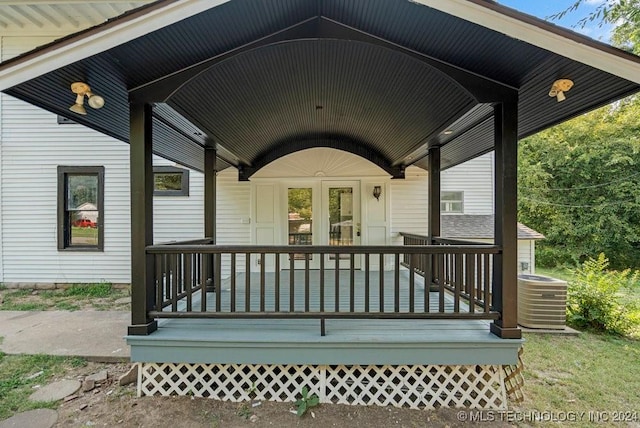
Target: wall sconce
377	191
81	89
559	87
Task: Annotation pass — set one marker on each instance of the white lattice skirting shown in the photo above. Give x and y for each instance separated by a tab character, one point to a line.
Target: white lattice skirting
418	387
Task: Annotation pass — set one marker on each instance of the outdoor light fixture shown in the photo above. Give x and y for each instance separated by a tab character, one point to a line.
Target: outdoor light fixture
81	89
377	191
559	87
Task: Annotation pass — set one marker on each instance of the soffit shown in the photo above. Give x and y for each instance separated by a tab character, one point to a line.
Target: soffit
280	76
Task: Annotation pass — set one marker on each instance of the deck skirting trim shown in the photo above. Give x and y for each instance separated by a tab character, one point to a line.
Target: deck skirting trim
413	386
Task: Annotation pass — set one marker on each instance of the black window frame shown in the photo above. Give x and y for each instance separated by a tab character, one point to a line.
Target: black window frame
64	224
184	183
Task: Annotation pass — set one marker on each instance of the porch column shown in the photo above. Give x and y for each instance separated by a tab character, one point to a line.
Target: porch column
141	173
505	274
434	210
210	208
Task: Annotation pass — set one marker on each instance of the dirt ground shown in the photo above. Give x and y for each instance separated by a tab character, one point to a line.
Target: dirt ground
110	405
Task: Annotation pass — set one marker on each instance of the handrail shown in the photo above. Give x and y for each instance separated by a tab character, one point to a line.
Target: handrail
323	249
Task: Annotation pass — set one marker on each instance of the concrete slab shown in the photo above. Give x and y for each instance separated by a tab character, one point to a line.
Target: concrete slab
56	391
95	335
39	418
567	331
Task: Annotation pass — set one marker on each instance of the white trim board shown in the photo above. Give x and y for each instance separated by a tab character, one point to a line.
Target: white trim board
109	37
537	36
155	19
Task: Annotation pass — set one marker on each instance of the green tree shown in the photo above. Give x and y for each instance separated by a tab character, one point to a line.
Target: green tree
624	15
579	184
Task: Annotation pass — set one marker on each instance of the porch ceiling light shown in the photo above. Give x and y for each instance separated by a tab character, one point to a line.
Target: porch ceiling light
559	87
81	89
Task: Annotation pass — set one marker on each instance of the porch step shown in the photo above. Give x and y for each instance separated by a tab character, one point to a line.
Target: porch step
246	341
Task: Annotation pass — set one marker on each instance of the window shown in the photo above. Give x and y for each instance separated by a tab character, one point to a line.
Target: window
451	202
80	208
170	181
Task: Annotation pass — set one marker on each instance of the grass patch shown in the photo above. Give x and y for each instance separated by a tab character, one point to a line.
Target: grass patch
100	296
588	373
18	375
67	306
10	305
563	273
103	289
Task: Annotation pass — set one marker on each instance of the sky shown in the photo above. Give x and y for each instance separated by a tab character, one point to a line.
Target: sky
545	8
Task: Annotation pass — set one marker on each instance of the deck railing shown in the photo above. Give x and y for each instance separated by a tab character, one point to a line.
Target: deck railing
251	281
459	272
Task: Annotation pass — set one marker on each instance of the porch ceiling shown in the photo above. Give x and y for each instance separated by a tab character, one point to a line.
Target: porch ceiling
380	78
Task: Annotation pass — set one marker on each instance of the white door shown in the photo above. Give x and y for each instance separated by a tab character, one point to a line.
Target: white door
340	219
323	213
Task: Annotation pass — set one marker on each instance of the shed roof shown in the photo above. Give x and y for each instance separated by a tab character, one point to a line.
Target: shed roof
383	79
469	226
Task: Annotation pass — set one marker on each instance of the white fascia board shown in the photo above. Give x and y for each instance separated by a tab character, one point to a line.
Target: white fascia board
532	34
111	36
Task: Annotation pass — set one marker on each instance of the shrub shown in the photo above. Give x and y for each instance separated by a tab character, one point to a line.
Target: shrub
602	299
551	257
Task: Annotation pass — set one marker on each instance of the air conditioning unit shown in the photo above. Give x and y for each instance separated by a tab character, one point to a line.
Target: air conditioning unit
542	302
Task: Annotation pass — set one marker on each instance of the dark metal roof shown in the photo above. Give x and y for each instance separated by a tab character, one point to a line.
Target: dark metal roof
380	78
469	226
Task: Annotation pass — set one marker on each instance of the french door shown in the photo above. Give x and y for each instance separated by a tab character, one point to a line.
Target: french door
324	213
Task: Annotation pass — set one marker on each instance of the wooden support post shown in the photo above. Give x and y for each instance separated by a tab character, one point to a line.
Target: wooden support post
142	264
210	210
433	210
505	274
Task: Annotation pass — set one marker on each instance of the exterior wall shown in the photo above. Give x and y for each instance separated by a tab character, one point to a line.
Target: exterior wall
177	218
32	146
475	179
409	204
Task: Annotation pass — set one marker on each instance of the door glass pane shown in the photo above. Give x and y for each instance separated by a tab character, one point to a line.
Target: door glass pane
300	214
341	227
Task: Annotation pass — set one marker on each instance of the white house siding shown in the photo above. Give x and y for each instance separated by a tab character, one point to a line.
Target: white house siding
409	204
32	146
233	208
475	179
177	218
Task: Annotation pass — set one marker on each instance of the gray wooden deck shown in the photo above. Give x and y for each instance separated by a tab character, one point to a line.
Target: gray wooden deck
283	294
347	341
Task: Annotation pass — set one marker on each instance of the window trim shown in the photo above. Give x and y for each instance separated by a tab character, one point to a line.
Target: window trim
184	191
461	201
63	237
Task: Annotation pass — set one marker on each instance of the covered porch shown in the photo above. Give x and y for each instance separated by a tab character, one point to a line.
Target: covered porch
241	83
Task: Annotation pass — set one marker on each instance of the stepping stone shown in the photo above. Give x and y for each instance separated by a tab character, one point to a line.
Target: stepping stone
56	391
101	376
130	377
39	418
123	300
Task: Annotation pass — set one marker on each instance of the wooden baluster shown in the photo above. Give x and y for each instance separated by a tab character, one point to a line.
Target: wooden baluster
232	303
204	271
262	281
352	285
292	302
277	282
396	286
367	285
247	283
381	270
